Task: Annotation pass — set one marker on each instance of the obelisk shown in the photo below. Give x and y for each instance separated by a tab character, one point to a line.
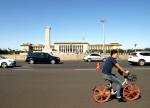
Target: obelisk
47	45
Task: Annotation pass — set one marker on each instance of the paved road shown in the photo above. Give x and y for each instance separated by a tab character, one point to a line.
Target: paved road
67	85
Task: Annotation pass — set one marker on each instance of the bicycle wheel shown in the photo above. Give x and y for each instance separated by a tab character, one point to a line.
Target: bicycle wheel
101	94
131	92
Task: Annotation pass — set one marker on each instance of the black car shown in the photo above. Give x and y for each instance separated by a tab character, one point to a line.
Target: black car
40	57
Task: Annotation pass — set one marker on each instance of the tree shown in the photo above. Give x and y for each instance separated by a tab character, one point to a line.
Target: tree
30	48
147	49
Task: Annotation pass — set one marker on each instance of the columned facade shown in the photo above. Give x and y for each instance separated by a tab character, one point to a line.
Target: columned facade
71	47
106	46
82	47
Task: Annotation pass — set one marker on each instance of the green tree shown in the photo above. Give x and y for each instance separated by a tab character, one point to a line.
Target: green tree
147	49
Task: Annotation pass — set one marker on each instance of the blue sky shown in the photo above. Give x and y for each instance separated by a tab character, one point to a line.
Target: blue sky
128	21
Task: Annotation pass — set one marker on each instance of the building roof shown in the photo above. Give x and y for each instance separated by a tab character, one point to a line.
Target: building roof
116	44
36	45
111	44
26	44
30	44
71	43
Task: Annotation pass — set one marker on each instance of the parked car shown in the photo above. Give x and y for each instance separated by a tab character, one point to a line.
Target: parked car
94	57
40	57
140	57
5	62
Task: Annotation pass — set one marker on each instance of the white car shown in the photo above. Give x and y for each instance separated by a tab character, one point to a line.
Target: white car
4	62
140	57
94	57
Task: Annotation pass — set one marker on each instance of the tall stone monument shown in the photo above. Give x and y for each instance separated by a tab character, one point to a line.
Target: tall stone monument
47	45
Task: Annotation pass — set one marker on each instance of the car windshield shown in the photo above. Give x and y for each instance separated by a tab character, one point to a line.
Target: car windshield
2	57
95	55
133	54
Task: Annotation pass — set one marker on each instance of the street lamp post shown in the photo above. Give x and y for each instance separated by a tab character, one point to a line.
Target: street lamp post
135	45
103	21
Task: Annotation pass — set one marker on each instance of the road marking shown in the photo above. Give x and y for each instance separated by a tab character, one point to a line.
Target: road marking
26	67
95	69
22	69
84	69
141	68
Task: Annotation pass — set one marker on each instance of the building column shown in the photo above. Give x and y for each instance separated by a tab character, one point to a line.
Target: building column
59	48
65	48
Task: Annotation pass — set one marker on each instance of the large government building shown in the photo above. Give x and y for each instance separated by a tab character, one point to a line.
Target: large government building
82	47
70	47
66	47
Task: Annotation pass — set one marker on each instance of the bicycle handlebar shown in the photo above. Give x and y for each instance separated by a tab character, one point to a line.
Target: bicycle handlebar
131	77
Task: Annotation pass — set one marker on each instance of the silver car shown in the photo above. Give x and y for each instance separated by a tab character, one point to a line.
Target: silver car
94	57
5	62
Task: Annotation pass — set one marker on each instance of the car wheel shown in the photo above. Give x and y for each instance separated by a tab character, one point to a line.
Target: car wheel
53	61
141	62
89	60
31	61
4	65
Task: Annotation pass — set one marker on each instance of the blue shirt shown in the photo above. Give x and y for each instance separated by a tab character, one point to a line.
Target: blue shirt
108	65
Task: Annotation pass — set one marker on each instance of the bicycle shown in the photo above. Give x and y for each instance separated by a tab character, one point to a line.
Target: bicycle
130	91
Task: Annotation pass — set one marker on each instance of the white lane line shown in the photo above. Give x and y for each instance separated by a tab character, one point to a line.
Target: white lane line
95	69
141	68
22	69
84	69
26	67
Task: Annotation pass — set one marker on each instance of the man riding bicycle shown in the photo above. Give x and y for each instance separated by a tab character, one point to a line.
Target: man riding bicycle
108	75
